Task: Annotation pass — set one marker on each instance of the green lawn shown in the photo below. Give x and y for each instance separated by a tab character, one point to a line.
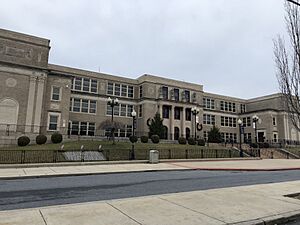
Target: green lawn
119	151
295	150
107	145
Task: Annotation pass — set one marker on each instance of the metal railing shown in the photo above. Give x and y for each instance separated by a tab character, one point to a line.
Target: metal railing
55	156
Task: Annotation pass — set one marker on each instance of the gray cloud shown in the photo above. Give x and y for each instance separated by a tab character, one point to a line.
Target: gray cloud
224	45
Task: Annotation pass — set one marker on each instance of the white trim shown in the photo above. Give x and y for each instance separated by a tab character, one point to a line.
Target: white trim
60	93
58	120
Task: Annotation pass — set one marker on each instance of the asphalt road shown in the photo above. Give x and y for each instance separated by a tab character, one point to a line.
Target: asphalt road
38	192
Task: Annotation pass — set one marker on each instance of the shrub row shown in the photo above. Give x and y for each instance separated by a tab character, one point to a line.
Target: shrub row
40	139
144	139
191	141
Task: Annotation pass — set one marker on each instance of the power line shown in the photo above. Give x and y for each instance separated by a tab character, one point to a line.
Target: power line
296	3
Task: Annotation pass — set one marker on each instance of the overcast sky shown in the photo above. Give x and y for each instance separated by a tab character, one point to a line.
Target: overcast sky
226	45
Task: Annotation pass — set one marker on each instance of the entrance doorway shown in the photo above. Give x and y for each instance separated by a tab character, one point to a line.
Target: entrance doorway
261	136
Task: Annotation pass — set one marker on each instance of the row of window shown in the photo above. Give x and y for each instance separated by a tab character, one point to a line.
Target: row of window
227	106
228	121
126	132
209	119
123	110
81	128
122	90
166	113
84	84
208	103
83	105
247	122
185	95
229	137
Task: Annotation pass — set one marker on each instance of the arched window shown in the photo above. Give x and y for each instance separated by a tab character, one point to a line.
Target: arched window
176	133
9	110
187	132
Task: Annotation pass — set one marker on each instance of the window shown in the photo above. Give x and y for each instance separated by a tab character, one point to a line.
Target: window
227	106
117	90
176	94
177	113
76	105
82	128
187	96
110	88
94	86
55	96
124	90
247	138
229	137
122	110
248	121
209	119
93	106
53	121
141	91
140	110
188	114
209	103
78	83
274	121
84	84
165	93
165	112
228	121
243	108
83	105
130	91
129	110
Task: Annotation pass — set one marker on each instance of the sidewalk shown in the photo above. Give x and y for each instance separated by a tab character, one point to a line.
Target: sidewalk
257	204
104	168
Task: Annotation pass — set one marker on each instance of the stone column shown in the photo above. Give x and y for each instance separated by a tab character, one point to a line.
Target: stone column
30	103
182	133
160	110
39	103
171	132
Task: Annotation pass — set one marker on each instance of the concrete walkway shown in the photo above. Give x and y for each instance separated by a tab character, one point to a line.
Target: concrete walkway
84	169
238	205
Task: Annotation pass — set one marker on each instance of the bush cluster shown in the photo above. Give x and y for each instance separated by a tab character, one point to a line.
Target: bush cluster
144	139
133	139
155	139
182	140
191	141
41	139
56	138
23	141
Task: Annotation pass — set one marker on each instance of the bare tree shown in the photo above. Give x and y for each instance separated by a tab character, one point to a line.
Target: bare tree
287	59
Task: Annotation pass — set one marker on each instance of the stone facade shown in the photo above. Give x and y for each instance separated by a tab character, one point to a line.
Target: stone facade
38	97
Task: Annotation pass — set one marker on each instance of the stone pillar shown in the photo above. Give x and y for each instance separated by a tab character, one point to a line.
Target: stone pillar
182	133
171	132
30	103
160	110
39	103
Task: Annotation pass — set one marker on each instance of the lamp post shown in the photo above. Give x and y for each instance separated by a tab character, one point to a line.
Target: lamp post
240	122
112	103
195	111
133	114
255	120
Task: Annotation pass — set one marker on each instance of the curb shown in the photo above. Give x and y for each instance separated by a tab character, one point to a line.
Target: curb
34	165
141	171
283	218
86	174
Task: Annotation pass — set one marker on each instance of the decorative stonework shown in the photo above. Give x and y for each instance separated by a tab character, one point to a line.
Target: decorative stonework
54	106
150	90
102	86
11	82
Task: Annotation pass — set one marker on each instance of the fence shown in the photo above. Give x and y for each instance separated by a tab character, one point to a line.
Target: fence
55	156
